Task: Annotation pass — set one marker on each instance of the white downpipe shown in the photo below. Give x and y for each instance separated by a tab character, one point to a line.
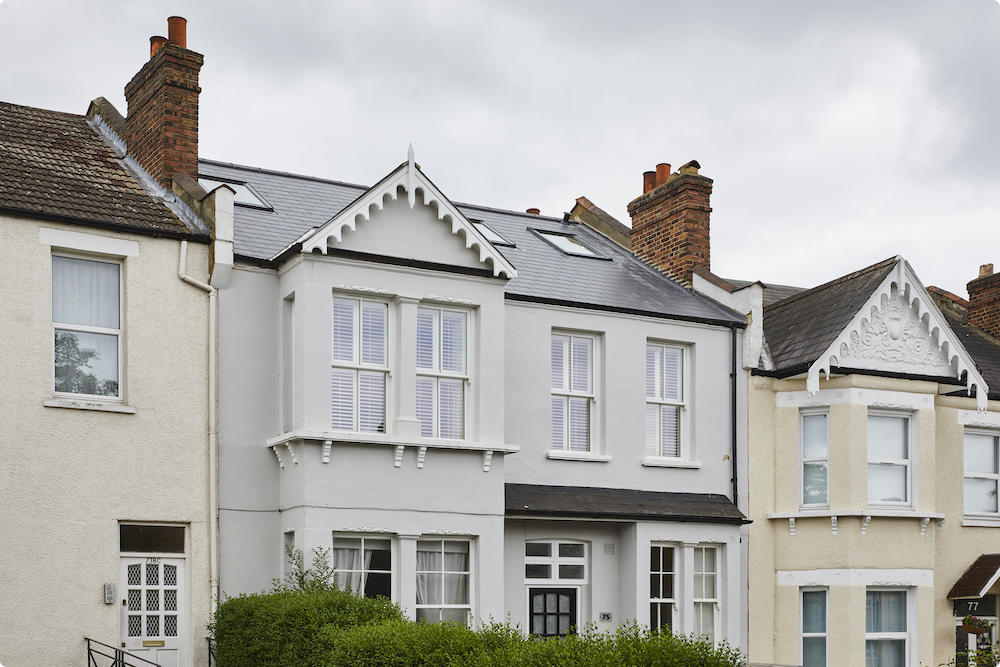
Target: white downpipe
213	433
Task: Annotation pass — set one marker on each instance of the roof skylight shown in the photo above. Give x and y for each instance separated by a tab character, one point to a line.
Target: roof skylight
489	233
568	244
244	194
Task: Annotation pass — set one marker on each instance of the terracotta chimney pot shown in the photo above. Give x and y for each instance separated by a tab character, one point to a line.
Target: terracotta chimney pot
662	173
985	270
155	42
533	211
177	31
648	180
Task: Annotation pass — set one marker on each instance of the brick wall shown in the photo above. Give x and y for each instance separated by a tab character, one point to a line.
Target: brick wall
670	225
984	301
161	127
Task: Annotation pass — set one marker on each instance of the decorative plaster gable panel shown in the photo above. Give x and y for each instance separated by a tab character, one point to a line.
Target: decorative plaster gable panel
900	330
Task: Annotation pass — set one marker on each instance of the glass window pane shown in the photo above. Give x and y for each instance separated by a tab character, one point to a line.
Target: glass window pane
425	406
579	424
559	348
885	611
429	555
86	363
373	333
451	408
814	435
453	326
571	571
568	244
814	481
151	539
429	588
886	483
460	616
85	292
583	351
490	234
885	653
538	549
571	550
426	327
456	588
670	435
429	615
814	611
980	453
344	318
371	418
655	587
342	404
653	429
537	571
654	373
558	422
378	555
814	652
704	619
887	437
673	359
980	495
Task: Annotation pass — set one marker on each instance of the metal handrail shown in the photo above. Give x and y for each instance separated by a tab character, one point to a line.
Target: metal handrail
119	657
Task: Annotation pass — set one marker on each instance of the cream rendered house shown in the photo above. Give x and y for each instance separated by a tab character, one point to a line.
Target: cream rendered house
107	457
873	477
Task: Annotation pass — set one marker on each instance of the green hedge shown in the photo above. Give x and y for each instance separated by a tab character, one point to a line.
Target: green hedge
281	628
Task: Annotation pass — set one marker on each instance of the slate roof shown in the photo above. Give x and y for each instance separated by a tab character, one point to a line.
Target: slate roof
53	165
621	504
617	281
976	580
799	328
772	293
984	349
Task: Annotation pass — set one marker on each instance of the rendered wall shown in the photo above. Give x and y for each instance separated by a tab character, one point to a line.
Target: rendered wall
69	475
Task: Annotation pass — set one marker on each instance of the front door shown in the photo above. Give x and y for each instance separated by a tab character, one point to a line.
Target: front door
153	593
552	611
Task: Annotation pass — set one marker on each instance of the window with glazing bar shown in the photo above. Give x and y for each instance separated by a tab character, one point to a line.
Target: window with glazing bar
664	399
360	365
706	591
815	458
441	372
982	473
443	581
662	582
814	627
572	366
886	635
888	459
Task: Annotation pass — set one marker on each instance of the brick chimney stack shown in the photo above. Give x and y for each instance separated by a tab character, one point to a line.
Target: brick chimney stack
984	301
161	127
670	218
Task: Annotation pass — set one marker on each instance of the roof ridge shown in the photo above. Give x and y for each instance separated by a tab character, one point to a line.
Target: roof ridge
48	111
276	172
836	281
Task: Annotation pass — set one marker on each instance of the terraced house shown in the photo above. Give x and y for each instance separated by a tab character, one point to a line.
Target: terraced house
106	468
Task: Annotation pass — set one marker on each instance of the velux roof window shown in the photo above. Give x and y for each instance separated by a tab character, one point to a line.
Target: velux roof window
567	243
244	193
489	233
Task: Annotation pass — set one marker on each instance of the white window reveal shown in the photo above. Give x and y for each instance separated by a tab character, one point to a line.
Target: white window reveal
555	561
981	472
664	399
443	581
363	565
886	637
442	372
662	586
888	459
814	627
360	367
86	322
706	591
572	365
815	458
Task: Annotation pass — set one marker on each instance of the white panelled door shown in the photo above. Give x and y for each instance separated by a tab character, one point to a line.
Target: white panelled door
153	593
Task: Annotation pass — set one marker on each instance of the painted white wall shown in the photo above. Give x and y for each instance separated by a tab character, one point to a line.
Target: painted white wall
71	475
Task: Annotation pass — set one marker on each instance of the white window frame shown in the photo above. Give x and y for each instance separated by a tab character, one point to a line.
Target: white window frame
393	557
714	601
909	636
803	460
357	365
554	560
909	463
566	392
118	333
471	581
672	601
655	450
438	374
995	477
802	622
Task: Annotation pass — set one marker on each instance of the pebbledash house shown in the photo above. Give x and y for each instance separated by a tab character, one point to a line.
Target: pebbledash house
480	414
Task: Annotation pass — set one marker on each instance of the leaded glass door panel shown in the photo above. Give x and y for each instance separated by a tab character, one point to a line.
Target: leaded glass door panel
153	594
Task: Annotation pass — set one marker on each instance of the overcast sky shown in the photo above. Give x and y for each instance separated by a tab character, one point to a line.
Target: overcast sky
838	133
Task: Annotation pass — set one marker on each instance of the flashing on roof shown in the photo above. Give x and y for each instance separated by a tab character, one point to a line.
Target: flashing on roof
245	194
568	244
491	234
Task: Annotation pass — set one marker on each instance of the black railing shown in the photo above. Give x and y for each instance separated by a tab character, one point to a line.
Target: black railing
212	660
97	652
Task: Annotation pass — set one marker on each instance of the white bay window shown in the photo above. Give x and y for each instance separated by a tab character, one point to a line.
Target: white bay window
887	640
358	377
442	372
443	581
706	591
815	458
363	565
86	321
572	366
664	399
889	459
982	473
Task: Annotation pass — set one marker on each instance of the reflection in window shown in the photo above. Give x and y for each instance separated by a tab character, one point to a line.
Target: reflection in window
888	459
815	459
981	472
363	565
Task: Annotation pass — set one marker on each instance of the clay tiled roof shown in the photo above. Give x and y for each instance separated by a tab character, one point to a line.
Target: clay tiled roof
978	579
53	165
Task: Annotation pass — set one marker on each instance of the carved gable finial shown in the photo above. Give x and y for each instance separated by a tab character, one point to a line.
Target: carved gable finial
411	165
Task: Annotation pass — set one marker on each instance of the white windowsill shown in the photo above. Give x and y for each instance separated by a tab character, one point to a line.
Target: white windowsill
82	404
669	462
981	520
383	439
888	513
566	455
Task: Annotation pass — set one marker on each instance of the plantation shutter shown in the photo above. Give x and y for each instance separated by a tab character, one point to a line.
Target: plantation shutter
672	360
342	390
373	339
345	318
582	357
669	431
452	408
453	342
426	327
425	405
